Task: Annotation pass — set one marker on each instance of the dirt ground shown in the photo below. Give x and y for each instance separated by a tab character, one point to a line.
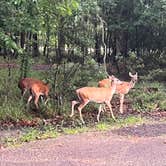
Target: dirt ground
141	145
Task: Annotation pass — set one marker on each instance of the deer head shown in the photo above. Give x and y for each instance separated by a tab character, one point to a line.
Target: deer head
134	78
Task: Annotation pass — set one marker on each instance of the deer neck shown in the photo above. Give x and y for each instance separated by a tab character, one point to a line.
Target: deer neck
113	87
132	83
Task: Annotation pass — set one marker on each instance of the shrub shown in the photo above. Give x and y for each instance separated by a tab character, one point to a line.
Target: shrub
149	96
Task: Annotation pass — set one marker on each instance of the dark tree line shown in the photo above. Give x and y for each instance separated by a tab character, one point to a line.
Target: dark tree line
73	29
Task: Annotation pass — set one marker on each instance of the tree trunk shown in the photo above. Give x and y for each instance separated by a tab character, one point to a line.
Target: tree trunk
22	39
35	48
61	42
97	46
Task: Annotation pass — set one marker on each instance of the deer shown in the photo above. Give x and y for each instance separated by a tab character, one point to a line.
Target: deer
26	83
36	88
122	89
95	94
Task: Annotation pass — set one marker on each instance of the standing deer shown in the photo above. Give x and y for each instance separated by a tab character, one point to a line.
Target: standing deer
95	94
121	89
36	88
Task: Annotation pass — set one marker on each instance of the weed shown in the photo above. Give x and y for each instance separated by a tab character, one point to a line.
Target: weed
102	126
75	130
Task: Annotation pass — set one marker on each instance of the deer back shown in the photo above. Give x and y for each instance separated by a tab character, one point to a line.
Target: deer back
40	88
95	94
26	83
106	83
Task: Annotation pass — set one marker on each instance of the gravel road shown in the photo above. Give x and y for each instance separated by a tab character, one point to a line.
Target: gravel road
143	145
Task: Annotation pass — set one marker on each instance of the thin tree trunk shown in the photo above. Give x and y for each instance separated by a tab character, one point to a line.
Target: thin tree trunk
35	48
61	42
22	39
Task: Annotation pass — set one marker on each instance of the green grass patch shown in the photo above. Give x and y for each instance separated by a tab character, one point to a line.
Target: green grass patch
31	134
75	130
149	96
45	132
121	122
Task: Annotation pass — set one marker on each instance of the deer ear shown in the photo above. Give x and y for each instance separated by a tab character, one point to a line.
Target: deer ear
112	77
130	74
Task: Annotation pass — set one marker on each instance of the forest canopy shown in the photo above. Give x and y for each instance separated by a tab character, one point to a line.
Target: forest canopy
73	28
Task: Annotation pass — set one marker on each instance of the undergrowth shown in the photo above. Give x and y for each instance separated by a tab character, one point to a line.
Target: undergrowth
149	96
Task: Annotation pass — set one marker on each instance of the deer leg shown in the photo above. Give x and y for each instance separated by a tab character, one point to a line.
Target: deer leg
29	99
36	101
73	103
81	106
23	92
100	110
110	107
104	108
121	103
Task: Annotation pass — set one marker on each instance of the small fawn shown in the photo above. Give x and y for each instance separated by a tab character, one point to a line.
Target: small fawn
121	89
95	94
36	88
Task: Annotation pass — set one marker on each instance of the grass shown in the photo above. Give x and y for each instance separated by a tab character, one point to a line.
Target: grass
50	131
31	134
75	130
149	96
121	122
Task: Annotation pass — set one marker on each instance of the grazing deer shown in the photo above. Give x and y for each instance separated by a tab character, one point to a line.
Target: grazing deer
38	89
121	89
95	94
26	83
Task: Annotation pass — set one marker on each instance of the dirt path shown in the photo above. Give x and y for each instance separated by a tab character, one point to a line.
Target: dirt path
143	145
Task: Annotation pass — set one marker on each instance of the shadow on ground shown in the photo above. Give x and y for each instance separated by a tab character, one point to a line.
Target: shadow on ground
145	130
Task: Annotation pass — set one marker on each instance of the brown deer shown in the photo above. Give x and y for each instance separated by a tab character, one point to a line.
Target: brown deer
36	88
95	94
26	83
121	89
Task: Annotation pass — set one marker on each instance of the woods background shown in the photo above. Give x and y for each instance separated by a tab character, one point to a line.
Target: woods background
79	42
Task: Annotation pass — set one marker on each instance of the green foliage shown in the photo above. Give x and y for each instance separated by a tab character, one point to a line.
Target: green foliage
157	74
149	96
6	41
66	78
102	126
150	64
24	65
134	34
89	72
131	120
13	112
75	130
31	134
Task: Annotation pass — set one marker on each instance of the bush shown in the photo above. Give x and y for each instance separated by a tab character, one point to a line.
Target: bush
157	74
149	96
